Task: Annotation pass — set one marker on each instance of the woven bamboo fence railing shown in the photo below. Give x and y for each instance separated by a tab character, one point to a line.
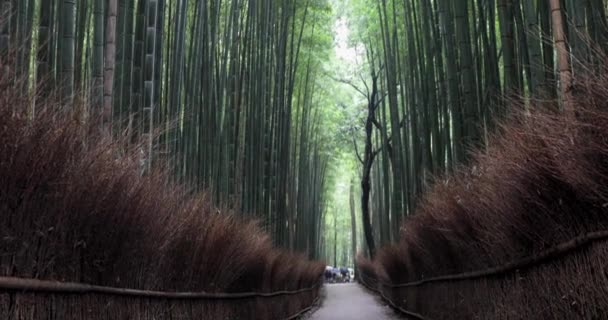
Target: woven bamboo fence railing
31	299
567	281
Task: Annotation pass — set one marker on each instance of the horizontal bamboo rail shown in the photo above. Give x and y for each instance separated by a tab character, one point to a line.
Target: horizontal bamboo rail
390	302
549	254
529	262
303	311
25	286
35	285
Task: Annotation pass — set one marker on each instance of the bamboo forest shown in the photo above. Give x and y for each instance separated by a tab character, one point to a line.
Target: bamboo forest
303	159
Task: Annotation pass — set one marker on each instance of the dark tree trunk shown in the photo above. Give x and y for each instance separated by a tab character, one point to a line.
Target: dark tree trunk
368	160
353	220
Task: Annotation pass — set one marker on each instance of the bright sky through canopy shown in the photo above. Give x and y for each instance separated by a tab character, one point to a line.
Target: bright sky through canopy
343	50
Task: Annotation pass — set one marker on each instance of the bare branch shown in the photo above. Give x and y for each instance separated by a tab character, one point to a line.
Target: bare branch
375	152
380	100
363	93
357	149
364	83
377	124
352	131
362	122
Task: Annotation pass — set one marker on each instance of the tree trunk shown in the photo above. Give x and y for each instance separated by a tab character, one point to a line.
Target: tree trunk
353	219
534	46
150	78
335	239
507	29
563	56
97	63
368	161
5	26
68	26
110	64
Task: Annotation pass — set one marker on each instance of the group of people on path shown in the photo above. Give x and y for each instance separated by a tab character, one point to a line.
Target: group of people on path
335	275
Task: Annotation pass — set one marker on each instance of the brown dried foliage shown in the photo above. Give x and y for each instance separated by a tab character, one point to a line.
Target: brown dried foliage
74	207
542	181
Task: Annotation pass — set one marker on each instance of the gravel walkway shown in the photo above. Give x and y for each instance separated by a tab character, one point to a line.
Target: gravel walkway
350	301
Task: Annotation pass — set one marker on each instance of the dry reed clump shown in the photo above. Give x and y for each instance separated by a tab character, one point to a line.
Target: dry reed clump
542	181
75	208
366	269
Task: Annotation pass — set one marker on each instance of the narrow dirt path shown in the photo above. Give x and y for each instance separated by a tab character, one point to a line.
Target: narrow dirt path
350	301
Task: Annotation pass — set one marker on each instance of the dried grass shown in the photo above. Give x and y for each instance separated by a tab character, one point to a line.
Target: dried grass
74	207
542	181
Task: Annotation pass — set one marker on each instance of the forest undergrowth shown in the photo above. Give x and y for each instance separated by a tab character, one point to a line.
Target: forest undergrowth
520	233
74	207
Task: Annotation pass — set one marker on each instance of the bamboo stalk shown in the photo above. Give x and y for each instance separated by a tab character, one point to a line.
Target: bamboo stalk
563	55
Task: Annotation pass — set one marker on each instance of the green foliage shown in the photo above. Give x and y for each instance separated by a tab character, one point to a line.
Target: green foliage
260	102
446	66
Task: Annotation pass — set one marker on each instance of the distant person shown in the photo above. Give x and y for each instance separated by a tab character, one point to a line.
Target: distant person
328	275
345	274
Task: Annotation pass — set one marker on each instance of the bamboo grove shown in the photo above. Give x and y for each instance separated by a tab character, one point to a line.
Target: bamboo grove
446	70
222	91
